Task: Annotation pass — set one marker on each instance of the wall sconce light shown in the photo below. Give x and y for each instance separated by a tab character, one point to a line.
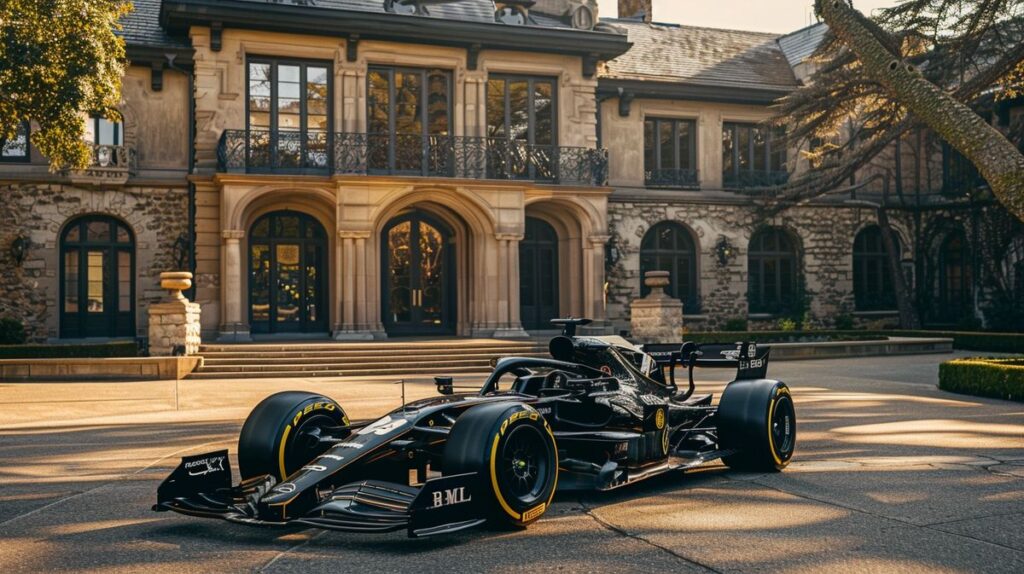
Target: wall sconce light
724	251
612	255
19	249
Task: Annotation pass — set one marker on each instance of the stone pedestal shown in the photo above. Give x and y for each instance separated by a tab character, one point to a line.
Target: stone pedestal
657	318
174	327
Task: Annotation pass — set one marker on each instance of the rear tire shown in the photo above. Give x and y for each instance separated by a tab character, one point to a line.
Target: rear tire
278	437
513	450
758	420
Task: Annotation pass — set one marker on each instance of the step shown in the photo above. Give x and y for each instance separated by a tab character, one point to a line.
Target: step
285	374
421	365
324	359
363	347
348	353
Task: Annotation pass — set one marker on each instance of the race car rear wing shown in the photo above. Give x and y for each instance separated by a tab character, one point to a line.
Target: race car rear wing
749	360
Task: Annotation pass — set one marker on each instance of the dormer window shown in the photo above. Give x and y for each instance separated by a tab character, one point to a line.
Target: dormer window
511	15
408	7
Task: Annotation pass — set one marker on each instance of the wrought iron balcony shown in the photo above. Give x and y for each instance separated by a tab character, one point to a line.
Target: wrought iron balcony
675	178
753	179
110	165
263	151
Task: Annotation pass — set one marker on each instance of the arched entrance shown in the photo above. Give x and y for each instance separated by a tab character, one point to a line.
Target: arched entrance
538	275
418	286
287	274
97	278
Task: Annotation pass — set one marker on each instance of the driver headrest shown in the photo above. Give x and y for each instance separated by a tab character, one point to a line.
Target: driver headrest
561	348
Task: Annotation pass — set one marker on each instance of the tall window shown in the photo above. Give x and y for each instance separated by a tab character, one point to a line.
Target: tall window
873	287
101	131
522	122
670	153
772	272
409	116
289	114
753	155
955	278
958	173
669	247
16	148
97	278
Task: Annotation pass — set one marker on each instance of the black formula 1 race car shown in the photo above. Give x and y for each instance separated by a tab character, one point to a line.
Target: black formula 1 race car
599	414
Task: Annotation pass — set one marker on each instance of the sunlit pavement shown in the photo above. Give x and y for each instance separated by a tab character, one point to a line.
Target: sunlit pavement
891	475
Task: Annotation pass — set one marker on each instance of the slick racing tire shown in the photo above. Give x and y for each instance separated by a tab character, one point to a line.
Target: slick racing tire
280	434
513	450
757	419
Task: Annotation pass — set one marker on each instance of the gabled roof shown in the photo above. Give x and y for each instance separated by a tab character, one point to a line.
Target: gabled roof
141	27
693	55
799	45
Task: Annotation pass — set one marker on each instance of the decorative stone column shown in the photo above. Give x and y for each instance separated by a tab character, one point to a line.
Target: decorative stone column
593	286
509	324
174	327
232	327
354	303
657	318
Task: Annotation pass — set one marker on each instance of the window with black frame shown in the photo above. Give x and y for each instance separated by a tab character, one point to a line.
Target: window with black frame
408	114
670	153
670	247
753	155
522	126
873	287
16	149
772	279
959	175
289	106
955	281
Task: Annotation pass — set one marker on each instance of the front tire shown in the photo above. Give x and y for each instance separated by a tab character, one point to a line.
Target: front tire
757	420
279	436
512	449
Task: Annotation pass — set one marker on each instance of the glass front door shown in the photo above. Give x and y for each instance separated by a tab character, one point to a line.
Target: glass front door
97	285
538	275
418	287
287	267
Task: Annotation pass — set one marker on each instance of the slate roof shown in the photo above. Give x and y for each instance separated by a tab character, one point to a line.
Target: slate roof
799	45
141	27
702	56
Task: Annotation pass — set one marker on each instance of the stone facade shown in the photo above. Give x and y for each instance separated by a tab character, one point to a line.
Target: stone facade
174	328
157	216
656	318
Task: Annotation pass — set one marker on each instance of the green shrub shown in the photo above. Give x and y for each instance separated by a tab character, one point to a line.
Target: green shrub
984	377
85	351
735	324
12	332
844	322
787	325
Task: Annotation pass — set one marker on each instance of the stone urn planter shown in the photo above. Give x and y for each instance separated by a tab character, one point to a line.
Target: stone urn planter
174	324
658	317
175	282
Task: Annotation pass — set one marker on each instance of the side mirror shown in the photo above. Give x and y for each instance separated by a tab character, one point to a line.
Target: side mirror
445	385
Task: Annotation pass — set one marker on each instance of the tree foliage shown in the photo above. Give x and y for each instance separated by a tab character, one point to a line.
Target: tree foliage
59	59
948	54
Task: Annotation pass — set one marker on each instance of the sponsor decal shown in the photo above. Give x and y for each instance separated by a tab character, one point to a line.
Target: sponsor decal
284	488
384	426
544	410
205	466
314	468
333	456
534	512
356	445
659	419
532	414
450	496
606	370
320	406
664	442
731	354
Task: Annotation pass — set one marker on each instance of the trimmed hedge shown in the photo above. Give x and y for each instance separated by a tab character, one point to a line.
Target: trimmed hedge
83	351
984	377
962	340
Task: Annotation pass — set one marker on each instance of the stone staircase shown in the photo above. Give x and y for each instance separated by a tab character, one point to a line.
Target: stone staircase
336	359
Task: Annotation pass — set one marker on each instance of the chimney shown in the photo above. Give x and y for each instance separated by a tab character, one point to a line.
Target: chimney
636	10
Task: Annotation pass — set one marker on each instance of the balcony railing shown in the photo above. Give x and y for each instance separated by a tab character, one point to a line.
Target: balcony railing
673	178
263	151
110	165
745	179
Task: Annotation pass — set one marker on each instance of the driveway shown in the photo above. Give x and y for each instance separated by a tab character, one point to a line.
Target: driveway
891	474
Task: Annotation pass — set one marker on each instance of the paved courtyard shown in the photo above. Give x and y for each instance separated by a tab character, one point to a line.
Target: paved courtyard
890	475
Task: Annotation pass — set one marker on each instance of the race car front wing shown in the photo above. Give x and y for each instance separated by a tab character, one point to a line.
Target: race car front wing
201	486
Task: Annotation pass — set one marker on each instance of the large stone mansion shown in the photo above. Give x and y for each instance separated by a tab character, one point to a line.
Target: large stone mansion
376	168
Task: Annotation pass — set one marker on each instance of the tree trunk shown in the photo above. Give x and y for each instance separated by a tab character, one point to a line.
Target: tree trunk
908	317
999	162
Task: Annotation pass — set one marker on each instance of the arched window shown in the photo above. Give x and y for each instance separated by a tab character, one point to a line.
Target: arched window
954	297
772	279
97	278
873	286
669	247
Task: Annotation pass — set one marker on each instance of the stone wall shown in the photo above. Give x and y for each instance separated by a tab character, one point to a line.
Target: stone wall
157	216
825	235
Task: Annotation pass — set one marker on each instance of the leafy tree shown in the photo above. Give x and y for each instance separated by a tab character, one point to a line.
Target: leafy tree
922	62
58	60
